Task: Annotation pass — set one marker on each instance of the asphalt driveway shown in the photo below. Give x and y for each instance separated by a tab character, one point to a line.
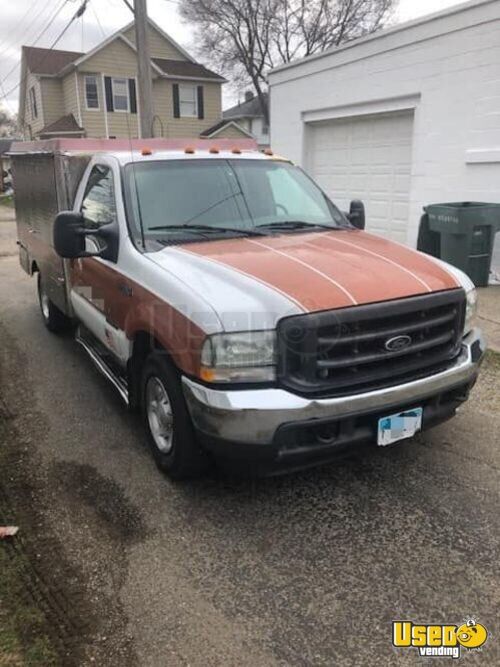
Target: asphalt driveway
308	569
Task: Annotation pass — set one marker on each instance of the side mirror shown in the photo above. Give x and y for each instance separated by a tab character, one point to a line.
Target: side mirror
70	233
69	241
356	215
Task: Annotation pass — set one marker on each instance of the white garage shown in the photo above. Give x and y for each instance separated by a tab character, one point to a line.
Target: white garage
368	158
402	118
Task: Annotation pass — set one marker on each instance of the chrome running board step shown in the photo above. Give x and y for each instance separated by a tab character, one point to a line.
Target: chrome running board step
91	346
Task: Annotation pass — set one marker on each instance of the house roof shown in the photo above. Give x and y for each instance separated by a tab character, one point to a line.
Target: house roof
48	61
63	125
247	109
185	69
218	127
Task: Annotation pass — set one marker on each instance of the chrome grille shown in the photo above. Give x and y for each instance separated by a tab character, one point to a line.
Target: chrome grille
349	350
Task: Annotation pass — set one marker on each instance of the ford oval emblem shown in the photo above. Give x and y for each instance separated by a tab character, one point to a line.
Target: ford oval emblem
397	343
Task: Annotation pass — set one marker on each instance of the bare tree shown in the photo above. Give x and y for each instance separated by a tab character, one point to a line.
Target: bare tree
7	124
246	38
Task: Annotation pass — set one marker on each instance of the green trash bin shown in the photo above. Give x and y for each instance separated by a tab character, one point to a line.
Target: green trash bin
467	235
428	241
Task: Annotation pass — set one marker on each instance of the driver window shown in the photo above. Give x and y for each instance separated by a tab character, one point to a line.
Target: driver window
98	205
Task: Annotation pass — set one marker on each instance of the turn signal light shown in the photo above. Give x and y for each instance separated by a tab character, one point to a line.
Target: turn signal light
207	374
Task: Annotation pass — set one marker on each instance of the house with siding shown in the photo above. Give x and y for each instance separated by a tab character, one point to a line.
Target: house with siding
243	120
94	94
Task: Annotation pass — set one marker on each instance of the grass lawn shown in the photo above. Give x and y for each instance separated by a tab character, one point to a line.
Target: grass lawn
24	636
7	200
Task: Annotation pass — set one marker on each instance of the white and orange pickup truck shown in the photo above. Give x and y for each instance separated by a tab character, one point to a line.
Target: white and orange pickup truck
229	300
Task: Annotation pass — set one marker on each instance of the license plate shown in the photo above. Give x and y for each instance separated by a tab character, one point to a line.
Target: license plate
399	426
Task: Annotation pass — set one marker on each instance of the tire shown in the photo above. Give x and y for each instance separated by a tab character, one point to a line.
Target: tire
53	318
175	449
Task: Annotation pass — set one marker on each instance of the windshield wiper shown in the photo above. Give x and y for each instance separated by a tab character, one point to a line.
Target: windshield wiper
206	228
294	224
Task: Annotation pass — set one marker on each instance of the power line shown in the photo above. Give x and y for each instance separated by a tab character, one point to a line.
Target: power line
41	34
129	6
94	12
34	18
28	10
51	21
79	12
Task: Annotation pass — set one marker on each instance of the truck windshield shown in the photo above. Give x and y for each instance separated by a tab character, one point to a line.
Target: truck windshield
190	199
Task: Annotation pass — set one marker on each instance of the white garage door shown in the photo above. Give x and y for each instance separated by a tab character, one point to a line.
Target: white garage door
366	158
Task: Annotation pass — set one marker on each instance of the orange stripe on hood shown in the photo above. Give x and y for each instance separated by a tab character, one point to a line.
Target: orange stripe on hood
330	270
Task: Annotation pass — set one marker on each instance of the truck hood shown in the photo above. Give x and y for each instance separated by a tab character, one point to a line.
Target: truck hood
306	272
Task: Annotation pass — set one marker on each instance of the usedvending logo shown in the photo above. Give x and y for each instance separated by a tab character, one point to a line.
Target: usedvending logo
432	641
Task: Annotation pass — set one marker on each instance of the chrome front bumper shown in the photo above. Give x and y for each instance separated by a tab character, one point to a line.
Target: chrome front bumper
252	416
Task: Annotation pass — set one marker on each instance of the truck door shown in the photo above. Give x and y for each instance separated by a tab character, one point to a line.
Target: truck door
95	281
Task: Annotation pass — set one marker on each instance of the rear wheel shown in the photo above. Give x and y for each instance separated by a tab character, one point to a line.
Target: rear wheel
167	420
53	318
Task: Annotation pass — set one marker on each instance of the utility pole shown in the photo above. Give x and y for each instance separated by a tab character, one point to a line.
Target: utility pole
145	83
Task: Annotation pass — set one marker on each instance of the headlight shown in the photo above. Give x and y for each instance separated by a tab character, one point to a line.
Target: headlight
249	356
470	310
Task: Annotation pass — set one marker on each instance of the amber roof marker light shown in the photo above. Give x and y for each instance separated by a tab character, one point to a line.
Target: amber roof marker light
268	151
236	150
146	151
214	149
189	150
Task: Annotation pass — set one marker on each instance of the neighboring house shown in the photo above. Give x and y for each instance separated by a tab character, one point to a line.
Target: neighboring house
402	118
94	94
242	120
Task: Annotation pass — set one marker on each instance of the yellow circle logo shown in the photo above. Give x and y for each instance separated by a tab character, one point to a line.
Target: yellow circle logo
472	634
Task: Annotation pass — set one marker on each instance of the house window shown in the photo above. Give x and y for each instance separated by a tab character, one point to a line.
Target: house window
91	94
188	101
120	94
34	108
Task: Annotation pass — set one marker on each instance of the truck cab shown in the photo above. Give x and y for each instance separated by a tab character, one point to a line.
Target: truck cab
236	307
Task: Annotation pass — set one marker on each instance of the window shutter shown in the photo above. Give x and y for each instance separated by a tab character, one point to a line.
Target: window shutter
132	96
175	91
109	93
201	111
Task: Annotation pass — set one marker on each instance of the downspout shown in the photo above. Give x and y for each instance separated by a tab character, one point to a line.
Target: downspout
138	105
80	122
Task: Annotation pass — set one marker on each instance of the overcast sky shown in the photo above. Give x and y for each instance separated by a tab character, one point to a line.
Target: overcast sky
23	20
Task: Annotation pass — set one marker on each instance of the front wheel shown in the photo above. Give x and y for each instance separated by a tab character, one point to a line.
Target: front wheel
167	421
55	320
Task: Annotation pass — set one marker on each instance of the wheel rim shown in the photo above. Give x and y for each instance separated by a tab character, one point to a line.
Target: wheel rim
44	303
160	417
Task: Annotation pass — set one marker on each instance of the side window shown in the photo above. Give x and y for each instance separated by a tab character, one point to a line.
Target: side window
98	205
91	92
34	108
